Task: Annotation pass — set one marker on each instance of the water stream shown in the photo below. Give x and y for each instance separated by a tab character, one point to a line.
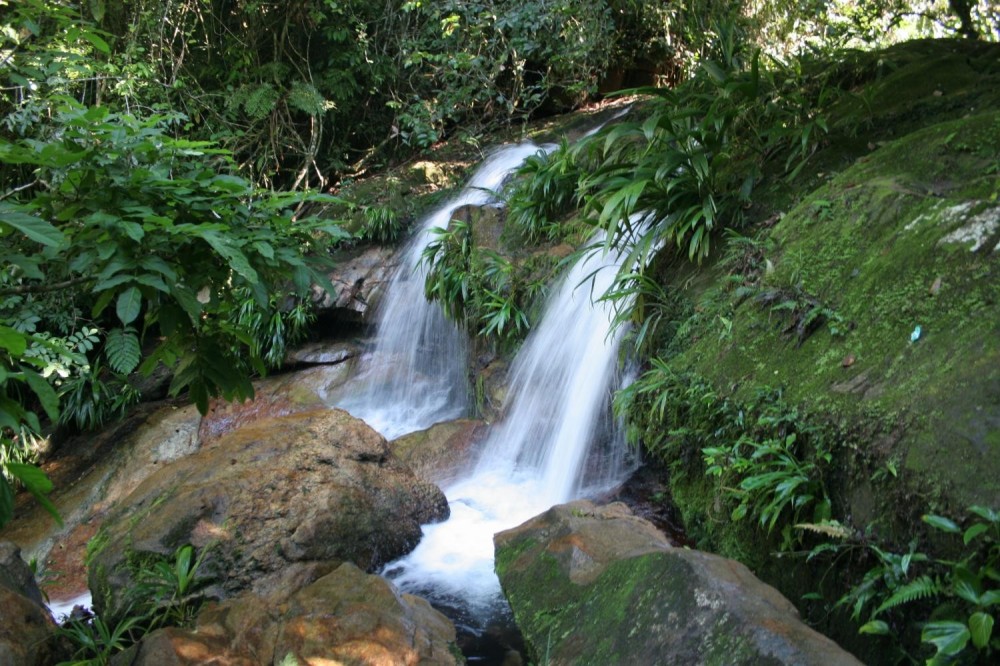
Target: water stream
556	442
415	375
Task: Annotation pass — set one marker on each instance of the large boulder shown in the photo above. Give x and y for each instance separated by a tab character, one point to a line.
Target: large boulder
345	617
316	486
597	585
27	632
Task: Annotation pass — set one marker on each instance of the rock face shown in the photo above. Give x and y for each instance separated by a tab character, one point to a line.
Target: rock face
27	632
316	486
597	585
345	617
358	282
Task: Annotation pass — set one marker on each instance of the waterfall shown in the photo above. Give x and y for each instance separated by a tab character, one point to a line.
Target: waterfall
547	450
415	375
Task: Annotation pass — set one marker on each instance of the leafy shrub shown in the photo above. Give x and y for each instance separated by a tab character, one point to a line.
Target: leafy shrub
150	239
169	592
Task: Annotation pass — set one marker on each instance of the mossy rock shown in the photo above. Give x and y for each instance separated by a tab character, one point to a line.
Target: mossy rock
908	237
596	585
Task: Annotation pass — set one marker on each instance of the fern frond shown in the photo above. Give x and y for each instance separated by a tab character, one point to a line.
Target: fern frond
828	527
919	588
122	351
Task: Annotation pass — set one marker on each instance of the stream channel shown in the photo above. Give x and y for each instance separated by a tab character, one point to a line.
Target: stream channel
557	441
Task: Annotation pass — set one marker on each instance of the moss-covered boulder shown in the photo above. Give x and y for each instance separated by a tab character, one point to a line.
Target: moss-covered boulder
312	487
597	585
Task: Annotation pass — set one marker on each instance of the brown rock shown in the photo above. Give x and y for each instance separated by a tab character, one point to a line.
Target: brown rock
27	632
345	617
311	487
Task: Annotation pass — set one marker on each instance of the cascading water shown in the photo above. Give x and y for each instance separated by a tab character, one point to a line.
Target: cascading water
415	374
546	451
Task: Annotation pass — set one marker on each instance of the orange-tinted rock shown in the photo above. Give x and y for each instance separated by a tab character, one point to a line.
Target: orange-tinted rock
345	617
311	487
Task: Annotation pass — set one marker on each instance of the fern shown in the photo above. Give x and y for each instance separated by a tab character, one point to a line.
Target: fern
921	588
122	350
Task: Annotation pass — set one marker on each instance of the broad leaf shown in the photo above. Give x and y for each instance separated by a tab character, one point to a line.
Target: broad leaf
13	341
34	228
948	637
129	304
876	627
46	394
981	628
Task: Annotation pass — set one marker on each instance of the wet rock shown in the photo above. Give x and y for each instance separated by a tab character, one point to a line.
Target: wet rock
485	222
322	353
597	585
442	452
279	395
310	487
358	282
27	632
344	617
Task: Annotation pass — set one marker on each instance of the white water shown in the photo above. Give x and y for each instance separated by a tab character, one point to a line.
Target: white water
415	374
554	444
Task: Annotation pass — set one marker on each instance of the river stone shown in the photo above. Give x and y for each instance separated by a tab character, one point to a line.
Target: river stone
442	452
345	617
27	632
597	585
309	487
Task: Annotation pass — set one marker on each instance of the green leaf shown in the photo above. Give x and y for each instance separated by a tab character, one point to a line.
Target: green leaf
948	637
985	513
95	41
6	501
97	10
973	532
33	227
129	304
13	341
232	254
46	394
36	483
981	629
941	523
876	627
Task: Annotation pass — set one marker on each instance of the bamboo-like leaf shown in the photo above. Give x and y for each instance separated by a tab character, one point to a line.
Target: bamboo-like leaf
941	523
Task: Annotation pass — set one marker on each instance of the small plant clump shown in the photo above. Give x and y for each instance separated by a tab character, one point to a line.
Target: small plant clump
168	592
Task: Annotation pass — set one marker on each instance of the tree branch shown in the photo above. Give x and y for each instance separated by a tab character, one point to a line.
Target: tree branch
43	288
